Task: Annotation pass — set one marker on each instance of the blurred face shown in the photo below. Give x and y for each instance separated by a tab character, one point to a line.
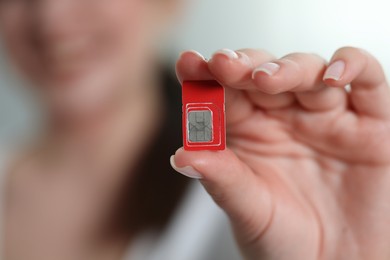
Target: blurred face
81	53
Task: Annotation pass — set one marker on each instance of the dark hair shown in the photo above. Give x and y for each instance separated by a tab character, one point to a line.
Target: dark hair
152	195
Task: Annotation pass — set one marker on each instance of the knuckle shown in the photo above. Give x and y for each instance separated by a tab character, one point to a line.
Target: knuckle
353	52
295	56
256	54
301	56
348	49
252	50
270	90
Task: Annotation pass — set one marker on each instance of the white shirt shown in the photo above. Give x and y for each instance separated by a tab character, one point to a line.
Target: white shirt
199	231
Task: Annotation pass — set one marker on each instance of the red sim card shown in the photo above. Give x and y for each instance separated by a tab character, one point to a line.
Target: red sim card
203	116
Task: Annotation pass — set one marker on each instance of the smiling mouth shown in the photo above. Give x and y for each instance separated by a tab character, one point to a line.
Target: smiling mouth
67	58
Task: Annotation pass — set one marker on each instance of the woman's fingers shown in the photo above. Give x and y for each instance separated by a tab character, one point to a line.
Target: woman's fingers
270	84
230	68
267	101
370	94
301	74
234	68
233	186
191	65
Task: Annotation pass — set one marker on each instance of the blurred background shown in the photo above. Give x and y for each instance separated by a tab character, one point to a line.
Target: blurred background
279	26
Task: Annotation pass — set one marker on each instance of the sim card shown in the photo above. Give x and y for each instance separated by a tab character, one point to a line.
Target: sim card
203	116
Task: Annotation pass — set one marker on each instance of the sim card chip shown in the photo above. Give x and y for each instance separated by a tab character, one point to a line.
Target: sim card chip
203	116
200	127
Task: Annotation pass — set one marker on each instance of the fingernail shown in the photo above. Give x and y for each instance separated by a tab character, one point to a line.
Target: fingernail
228	53
193	52
335	71
186	171
269	68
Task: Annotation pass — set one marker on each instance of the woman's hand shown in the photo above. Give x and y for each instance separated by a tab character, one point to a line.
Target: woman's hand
307	172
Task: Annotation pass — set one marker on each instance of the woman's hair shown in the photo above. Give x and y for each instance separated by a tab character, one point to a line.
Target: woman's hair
151	196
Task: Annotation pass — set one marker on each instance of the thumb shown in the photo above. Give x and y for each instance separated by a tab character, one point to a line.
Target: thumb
241	193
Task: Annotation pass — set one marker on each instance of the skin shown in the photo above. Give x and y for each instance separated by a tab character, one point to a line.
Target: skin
307	172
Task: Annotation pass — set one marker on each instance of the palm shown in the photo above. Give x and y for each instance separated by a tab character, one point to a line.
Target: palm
321	169
312	175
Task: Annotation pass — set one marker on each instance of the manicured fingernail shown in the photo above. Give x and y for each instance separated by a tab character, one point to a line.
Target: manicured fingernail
228	53
186	171
269	68
335	71
193	52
